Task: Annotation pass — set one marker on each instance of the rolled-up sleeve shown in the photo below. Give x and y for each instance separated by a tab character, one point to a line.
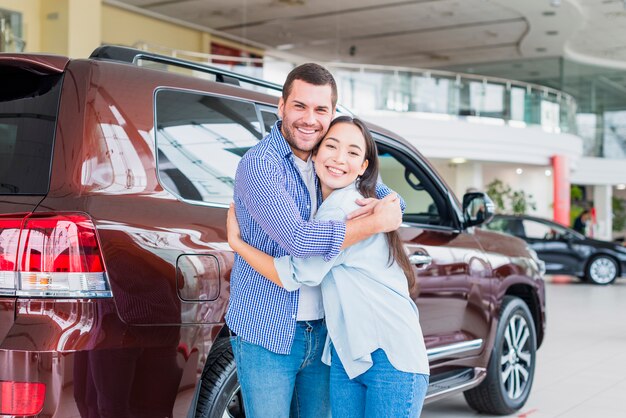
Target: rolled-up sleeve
261	188
295	272
383	190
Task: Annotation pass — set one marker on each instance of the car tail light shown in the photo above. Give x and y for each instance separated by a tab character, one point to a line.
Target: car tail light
51	255
21	398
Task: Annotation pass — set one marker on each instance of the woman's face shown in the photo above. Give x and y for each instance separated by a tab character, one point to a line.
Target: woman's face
340	158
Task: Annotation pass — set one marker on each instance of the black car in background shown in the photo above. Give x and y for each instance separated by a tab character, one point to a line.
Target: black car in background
565	251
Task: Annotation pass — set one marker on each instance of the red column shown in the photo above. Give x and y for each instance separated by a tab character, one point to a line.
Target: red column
560	175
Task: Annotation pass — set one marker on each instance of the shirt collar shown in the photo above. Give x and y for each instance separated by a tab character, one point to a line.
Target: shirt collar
279	141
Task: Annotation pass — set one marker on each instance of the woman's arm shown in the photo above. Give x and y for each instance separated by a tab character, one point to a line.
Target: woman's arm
287	271
258	260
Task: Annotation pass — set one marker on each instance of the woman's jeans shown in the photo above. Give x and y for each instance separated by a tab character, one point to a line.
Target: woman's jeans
281	386
382	391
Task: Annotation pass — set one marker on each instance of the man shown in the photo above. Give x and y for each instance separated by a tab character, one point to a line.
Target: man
581	221
279	334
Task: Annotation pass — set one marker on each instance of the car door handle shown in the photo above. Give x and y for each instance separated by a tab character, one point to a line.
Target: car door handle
421	260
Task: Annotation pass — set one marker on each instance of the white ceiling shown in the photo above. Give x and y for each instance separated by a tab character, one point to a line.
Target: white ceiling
421	33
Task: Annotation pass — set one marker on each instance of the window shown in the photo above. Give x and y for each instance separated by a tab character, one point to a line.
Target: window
538	230
425	204
200	140
28	112
269	119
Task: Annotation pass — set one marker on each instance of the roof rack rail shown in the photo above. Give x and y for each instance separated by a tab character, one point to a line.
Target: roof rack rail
131	56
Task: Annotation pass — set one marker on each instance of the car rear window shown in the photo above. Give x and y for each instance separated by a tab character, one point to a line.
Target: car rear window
28	111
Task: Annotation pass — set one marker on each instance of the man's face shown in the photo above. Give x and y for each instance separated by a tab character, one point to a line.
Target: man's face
305	114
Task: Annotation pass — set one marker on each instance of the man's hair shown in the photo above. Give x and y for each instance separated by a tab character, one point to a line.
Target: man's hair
313	74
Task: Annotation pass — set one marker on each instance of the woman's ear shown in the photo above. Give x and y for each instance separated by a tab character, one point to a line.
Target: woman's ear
363	167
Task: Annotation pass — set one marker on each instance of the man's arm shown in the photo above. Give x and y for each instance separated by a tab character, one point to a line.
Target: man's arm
261	186
287	272
368	204
386	216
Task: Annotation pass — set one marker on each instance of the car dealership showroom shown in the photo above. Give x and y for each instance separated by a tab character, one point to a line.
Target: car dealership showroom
160	193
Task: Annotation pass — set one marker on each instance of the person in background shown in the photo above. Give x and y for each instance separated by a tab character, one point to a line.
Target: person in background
581	221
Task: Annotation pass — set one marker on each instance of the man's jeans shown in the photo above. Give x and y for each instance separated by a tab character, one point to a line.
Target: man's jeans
281	386
382	391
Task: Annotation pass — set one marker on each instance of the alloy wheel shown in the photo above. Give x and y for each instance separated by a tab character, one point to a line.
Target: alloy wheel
516	359
602	270
234	407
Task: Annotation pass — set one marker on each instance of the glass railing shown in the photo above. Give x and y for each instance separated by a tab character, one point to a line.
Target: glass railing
402	89
367	87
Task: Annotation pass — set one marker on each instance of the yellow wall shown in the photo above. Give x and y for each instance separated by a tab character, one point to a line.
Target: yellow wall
31	26
85	30
55	18
76	27
122	27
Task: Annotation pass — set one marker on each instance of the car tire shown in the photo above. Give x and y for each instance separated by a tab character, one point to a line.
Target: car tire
601	270
511	367
220	393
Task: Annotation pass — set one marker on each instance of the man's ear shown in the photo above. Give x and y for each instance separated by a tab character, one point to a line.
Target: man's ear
281	107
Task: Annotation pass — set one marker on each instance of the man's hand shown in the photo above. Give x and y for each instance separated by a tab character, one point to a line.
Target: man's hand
232	228
367	208
387	213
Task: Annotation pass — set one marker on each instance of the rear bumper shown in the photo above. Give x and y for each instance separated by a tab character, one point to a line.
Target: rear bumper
94	365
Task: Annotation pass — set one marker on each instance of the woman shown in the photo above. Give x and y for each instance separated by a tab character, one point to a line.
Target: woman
375	345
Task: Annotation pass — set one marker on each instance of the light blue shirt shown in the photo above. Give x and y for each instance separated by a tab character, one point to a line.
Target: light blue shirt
366	300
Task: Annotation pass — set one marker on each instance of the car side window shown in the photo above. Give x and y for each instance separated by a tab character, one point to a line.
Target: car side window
425	204
200	140
538	230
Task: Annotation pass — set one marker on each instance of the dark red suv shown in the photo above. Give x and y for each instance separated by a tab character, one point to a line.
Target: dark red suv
115	175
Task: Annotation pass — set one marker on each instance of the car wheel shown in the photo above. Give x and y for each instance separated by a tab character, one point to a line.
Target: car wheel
511	367
220	393
601	270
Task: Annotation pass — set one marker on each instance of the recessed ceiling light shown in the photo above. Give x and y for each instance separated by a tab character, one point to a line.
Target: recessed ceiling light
458	160
621	187
519	170
548	173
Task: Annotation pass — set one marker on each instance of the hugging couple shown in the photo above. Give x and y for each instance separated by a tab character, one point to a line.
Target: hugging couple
319	303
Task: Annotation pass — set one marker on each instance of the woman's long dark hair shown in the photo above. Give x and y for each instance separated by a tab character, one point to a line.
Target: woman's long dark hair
366	184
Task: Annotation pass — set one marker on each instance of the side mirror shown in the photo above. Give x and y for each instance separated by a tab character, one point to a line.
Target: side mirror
478	208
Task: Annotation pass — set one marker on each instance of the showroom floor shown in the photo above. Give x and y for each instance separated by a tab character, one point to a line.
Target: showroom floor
581	366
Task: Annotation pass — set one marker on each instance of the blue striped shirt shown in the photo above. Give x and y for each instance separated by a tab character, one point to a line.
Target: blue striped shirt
273	208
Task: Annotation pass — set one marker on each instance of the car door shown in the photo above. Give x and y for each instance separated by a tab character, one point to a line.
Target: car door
452	274
553	245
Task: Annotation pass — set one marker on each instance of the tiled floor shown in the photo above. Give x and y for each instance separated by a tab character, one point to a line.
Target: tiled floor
581	366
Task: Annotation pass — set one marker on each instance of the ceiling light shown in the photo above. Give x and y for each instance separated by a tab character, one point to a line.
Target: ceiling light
548	173
549	13
285	47
621	187
555	3
519	170
554	32
458	160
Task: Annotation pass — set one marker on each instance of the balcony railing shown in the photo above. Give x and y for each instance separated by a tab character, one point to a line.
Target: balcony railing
403	89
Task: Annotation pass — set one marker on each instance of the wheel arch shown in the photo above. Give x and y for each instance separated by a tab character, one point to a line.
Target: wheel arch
528	294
